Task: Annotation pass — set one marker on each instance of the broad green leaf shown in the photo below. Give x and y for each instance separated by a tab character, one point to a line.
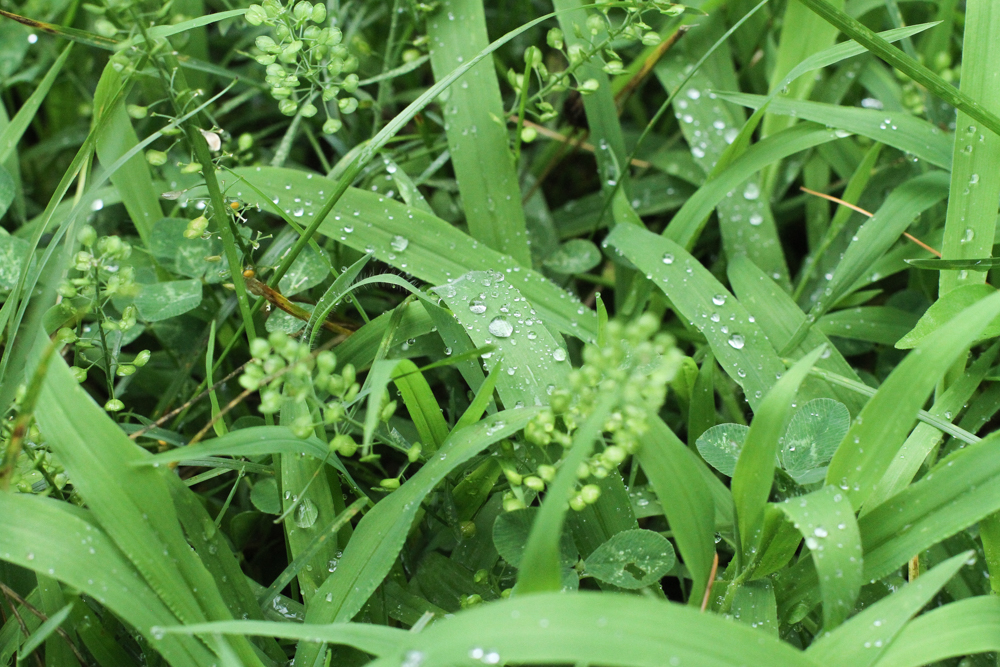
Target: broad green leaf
689	507
386	228
754	605
812	437
957	493
720	446
951	631
540	570
754	473
64	543
877	433
925	437
632	559
264	496
477	134
308	269
826	520
14	253
739	345
898	129
945	310
510	535
495	312
186	257
865	637
160	301
574	256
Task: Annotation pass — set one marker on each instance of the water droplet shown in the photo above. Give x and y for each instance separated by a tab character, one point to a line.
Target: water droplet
694	94
736	342
500	327
719	299
668	258
559	354
968	235
399	243
756	219
306	514
751	191
477	306
820	532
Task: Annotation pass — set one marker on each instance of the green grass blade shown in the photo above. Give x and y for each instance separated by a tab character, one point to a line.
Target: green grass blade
861	641
892	128
826	520
686	225
493	311
478	143
975	180
375	639
778	317
13	132
594	628
539	570
738	343
421	404
44	631
116	137
380	535
754	474
64	543
925	437
877	433
957	493
925	77
689	507
369	222
954	630
878	324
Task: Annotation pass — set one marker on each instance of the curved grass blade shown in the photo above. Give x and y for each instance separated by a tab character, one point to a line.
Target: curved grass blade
877	433
826	520
754	474
539	570
49	537
878	324
381	533
72	34
13	132
982	264
593	628
689	507
738	343
958	629
385	228
861	641
957	493
892	128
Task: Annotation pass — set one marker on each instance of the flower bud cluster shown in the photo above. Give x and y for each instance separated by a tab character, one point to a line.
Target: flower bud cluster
283	368
305	56
594	39
636	365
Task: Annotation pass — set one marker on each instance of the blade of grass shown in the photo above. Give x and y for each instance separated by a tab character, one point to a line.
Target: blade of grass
878	432
479	146
954	630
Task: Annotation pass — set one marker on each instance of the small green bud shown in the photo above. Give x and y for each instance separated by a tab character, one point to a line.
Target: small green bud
348	105
467	529
270	402
114	405
350	64
513	476
245	141
577	503
142	358
512	503
302	11
288	107
156	158
388	411
333	412
326	361
596	23
87	236
318	13
554	38
344	445
196	227
272	8
410	55
66	290
389	483
302	427
349	373
589	86
309	110
65	335
546	472
124	370
352	393
534	483
332	126
265	59
255	15
532	56
78	373
590	493
651	38
471	600
413	453
614	67
528	134
266	44
350	83
481	575
137	112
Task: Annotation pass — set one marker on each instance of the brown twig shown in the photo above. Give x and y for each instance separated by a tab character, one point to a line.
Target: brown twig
711	580
648	66
870	215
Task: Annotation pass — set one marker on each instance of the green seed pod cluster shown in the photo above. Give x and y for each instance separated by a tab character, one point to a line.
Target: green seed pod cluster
305	59
636	364
283	369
